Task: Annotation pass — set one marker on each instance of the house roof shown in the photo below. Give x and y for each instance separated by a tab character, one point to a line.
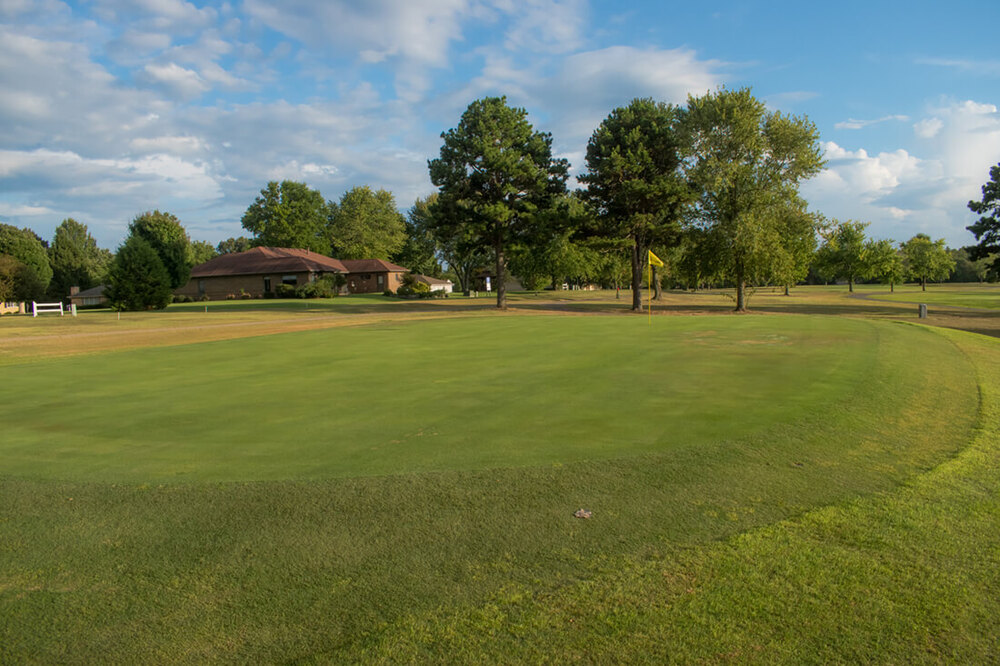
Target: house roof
372	266
261	260
93	292
432	281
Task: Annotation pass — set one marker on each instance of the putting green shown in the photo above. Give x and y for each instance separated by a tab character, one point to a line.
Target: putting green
454	394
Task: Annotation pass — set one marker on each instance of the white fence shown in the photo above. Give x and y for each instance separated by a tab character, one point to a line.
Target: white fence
46	307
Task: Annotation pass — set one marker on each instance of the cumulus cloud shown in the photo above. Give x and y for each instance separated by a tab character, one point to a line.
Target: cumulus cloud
903	194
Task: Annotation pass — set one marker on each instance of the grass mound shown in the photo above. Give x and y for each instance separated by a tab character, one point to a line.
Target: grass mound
284	542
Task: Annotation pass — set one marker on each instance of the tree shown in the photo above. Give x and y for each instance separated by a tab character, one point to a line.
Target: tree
927	260
462	251
168	239
747	164
496	172
796	252
138	280
885	263
366	225
844	253
420	250
289	215
967	269
234	245
24	245
75	259
635	180
987	228
200	252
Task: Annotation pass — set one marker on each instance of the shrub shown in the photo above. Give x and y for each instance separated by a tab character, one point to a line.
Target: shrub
285	291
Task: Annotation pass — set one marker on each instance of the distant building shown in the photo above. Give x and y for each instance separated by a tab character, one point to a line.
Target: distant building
260	270
93	297
436	284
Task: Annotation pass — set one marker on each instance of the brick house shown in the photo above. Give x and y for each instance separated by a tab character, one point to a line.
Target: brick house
261	269
373	276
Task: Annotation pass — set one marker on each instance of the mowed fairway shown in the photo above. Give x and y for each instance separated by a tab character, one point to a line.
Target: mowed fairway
405	491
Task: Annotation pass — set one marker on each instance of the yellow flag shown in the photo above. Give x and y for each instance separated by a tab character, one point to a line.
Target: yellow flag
654	260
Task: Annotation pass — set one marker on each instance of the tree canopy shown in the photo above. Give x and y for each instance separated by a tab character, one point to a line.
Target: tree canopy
75	258
234	245
844	253
420	250
31	279
747	164
289	214
365	224
494	173
138	280
927	260
164	233
635	180
987	228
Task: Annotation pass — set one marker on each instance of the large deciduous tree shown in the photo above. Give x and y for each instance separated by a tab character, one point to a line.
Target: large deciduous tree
32	279
289	214
164	233
365	224
138	280
496	173
987	228
636	182
75	258
844	253
747	164
885	263
927	260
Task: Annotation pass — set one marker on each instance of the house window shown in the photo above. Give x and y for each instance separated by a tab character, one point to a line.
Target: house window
366	276
201	287
381	282
267	284
289	279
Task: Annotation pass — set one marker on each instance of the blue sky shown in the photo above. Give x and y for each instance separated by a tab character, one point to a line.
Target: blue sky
109	108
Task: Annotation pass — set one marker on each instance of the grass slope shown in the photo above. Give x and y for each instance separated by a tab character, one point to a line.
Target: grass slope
468	561
429	396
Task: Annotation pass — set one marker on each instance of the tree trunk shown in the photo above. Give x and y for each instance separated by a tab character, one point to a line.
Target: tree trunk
741	295
850	285
923	283
892	287
657	290
787	290
500	271
636	279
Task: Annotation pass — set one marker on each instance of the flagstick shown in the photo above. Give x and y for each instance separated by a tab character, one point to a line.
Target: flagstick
649	291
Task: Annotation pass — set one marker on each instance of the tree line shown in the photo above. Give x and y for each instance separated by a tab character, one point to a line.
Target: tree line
711	187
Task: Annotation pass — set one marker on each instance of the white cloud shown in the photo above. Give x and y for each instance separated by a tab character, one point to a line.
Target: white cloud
379	29
928	127
902	194
546	26
983	67
177	80
854	124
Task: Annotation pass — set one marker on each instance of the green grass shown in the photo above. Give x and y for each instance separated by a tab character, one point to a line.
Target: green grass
411	397
970	296
750	478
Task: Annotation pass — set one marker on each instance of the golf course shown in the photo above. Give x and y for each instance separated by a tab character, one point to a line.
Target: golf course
367	479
